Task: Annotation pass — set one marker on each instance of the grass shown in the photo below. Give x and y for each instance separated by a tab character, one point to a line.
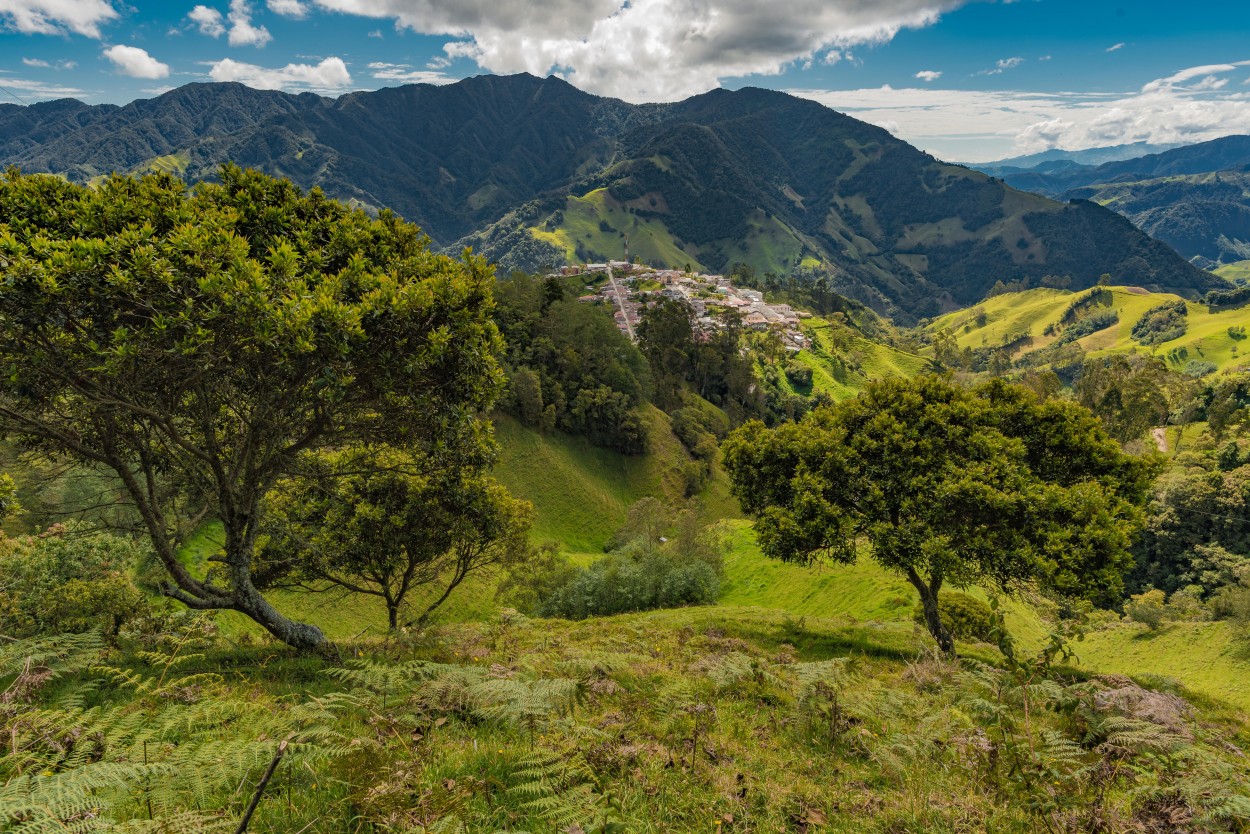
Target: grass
1207	338
1234	271
1208	658
721	720
843	373
581	228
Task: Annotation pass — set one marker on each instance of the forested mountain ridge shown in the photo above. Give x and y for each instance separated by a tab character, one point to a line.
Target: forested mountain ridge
1194	198
534	172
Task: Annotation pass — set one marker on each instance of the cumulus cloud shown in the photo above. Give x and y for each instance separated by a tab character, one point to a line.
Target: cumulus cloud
1183	107
288	8
407	74
56	17
329	75
649	50
929	75
136	62
242	32
209	21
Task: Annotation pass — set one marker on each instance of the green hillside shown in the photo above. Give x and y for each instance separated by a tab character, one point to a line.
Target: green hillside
1240	270
581	494
999	320
842	370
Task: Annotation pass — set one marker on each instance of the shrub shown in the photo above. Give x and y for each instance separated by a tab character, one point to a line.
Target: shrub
623	582
800	376
1147	608
1099	319
965	616
1162	323
68	580
1198	368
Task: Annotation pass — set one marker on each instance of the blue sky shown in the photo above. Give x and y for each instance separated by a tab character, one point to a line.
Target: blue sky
964	80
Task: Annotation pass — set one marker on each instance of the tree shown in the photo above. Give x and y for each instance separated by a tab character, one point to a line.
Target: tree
392	525
199	345
947	485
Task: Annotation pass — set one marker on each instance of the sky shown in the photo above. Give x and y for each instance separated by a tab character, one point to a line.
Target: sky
966	81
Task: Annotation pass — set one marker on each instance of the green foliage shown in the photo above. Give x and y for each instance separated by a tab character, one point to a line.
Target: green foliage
219	335
1091	322
1147	608
909	465
965	616
1198	526
604	725
69	579
646	569
1227	298
713	365
569	367
1130	394
1162	323
1197	368
383	523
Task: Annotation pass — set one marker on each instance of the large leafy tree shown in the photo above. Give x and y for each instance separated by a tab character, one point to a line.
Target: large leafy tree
387	524
947	485
199	344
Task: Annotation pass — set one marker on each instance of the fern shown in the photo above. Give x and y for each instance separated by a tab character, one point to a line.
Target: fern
562	790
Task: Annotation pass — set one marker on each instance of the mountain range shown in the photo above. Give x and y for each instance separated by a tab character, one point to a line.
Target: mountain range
534	172
1195	198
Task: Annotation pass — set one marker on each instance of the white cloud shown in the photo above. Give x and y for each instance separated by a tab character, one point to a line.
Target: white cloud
376	33
650	50
136	62
56	17
41	64
288	8
38	90
1115	47
406	74
329	75
242	32
929	75
991	124
209	21
1002	65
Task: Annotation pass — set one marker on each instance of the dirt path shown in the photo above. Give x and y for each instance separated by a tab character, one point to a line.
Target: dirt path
1161	438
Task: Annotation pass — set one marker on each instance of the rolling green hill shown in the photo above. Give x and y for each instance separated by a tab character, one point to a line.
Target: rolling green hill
1001	319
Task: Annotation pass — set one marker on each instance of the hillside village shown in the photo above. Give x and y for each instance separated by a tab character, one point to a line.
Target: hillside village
631	287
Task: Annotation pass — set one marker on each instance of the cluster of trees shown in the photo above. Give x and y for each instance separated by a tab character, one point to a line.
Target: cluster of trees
1162	323
569	367
205	347
710	365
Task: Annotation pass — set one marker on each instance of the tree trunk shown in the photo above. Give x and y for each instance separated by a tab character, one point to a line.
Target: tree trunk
932	618
392	614
303	637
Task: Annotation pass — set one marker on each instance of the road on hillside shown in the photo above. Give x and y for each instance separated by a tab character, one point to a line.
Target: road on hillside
620	302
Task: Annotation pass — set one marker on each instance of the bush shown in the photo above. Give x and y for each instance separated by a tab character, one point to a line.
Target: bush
1148	609
68	580
965	616
800	376
1197	368
1162	323
624	582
